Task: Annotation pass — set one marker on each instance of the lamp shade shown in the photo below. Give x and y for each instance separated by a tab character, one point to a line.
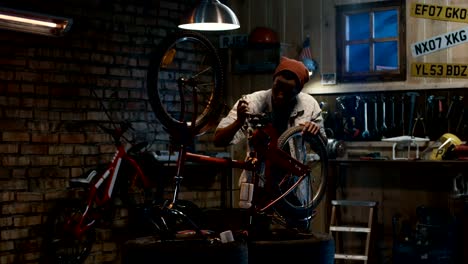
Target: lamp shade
210	15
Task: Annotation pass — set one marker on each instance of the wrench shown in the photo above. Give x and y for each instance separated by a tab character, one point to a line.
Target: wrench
376	130
365	133
402	121
384	128
392	124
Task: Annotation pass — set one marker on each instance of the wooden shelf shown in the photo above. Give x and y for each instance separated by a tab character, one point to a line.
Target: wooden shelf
389	162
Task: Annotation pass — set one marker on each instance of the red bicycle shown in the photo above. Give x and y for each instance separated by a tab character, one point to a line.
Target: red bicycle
185	81
132	176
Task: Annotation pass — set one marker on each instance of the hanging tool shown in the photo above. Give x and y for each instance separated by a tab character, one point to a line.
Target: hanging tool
430	106
441	122
440	105
383	128
436	122
430	116
339	101
392	124
349	106
375	133
343	128
340	120
412	96
454	111
462	122
365	133
419	128
402	121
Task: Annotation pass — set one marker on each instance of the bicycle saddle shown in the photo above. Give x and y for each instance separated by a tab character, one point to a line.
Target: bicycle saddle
77	182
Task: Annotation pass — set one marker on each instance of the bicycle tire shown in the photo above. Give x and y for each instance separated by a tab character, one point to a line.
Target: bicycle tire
60	245
297	208
188	55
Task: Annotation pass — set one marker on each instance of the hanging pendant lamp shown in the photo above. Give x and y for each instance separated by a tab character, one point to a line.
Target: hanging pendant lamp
210	15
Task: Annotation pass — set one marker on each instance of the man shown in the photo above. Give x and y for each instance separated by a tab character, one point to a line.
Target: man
287	104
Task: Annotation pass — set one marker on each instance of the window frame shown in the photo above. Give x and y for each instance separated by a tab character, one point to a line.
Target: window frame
372	75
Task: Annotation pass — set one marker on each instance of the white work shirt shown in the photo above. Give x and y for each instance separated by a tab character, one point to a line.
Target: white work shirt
306	109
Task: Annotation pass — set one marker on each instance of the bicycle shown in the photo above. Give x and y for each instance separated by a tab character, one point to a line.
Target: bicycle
132	176
199	83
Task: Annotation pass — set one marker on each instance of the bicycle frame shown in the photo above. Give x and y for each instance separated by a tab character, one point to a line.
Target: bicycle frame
263	140
264	147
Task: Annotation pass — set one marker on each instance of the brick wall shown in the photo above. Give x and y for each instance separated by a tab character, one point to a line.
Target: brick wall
48	108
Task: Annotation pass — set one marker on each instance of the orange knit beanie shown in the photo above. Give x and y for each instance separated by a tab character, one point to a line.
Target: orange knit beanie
294	66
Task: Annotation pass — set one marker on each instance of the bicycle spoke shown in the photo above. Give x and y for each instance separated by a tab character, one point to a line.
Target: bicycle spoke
191	56
298	206
202	71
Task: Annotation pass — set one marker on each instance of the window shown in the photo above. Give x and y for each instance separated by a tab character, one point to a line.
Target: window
371	42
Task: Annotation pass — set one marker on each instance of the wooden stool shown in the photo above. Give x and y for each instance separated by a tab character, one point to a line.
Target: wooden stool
334	227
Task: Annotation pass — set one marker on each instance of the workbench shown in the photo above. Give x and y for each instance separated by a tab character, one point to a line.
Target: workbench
399	186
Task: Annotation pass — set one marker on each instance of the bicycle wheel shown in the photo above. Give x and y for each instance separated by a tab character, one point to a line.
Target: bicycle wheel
297	207
183	63
61	245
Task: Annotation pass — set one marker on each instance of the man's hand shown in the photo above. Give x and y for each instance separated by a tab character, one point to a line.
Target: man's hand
311	127
224	135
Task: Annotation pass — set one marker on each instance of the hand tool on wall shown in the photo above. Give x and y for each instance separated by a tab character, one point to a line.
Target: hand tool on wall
440	105
356	121
454	111
340	120
402	121
462	123
440	126
419	128
376	132
392	131
355	131
348	106
330	123
430	115
449	114
383	128
365	133
435	117
412	96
